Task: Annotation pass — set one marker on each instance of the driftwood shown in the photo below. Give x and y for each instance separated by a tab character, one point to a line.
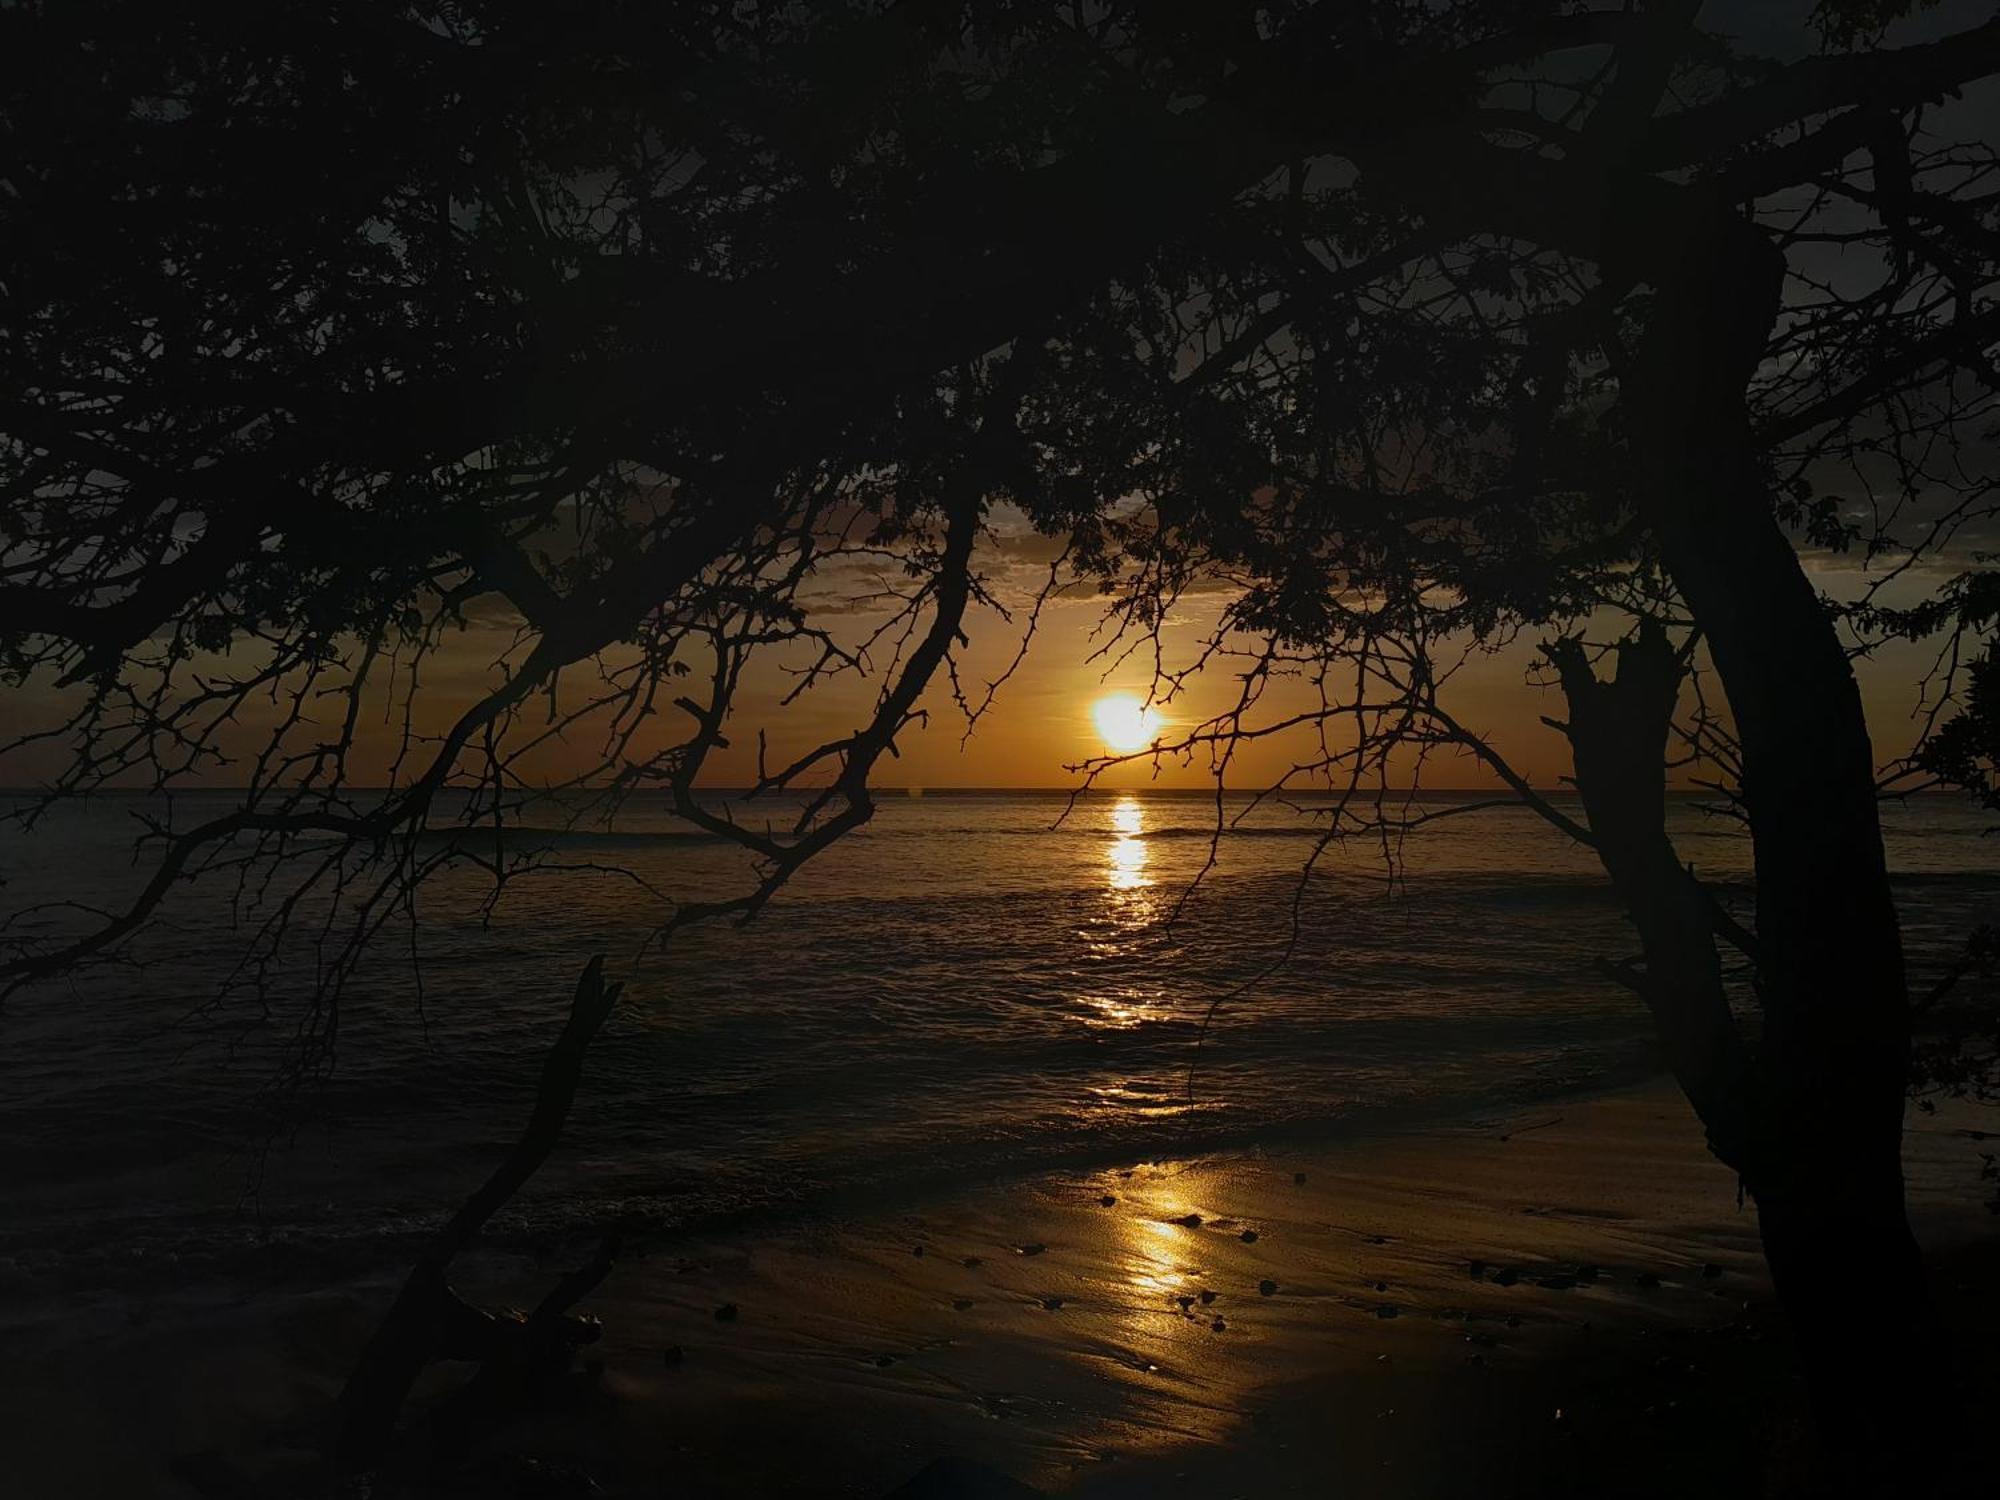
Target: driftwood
518	1354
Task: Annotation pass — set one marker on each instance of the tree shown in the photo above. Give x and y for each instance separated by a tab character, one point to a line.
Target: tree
1424	325
286	291
1637	375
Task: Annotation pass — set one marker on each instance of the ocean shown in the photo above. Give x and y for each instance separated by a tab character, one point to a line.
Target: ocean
976	984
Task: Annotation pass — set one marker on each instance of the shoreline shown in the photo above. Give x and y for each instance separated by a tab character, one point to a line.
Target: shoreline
1040	1331
231	1247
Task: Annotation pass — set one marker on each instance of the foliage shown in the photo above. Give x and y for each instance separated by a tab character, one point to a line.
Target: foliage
669	339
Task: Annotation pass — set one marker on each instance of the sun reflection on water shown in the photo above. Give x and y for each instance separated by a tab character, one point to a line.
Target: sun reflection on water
1125	856
1162	1269
1117	928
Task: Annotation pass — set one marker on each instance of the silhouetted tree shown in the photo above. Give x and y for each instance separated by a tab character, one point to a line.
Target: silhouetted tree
331	332
1617	332
658	331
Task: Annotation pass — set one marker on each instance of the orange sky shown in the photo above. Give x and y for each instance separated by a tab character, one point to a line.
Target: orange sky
1042	720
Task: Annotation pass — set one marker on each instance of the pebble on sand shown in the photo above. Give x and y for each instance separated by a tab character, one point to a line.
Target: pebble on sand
1206	1296
970	1261
916	1249
961	1303
883	1361
1267	1288
1298	1177
1185	1302
1478	1269
1053	1304
726	1313
1107	1200
1506	1276
1034	1249
1218	1325
1189	1221
1248	1236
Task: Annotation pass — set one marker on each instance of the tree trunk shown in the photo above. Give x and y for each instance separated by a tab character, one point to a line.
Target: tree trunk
1825	1161
1618	744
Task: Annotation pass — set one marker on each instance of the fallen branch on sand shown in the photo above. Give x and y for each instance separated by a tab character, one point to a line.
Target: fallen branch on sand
519	1356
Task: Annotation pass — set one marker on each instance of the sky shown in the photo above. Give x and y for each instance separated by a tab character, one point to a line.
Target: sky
1042	724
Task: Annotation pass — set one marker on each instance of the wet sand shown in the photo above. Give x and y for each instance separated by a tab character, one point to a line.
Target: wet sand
1568	1300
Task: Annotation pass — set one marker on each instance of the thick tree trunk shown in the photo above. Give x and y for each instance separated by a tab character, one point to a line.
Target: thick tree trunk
1826	1114
1618	732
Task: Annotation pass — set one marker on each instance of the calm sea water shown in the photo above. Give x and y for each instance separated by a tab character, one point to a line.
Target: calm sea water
972	985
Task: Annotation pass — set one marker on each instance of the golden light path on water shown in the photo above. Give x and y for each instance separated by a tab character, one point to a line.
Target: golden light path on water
1126	853
1127	912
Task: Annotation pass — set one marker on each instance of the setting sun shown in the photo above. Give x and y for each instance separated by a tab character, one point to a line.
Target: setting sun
1125	724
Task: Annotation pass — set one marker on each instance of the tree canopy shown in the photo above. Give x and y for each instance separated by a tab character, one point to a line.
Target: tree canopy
673	339
326	331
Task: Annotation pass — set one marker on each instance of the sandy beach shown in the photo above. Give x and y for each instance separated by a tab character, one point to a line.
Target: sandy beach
1564	1300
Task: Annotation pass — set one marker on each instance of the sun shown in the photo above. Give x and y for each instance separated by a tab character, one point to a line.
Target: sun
1124	723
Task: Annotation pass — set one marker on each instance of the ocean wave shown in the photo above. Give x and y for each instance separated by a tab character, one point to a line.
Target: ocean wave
953	993
313	1242
476	835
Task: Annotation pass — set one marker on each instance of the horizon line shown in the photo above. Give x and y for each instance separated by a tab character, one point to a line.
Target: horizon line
916	789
